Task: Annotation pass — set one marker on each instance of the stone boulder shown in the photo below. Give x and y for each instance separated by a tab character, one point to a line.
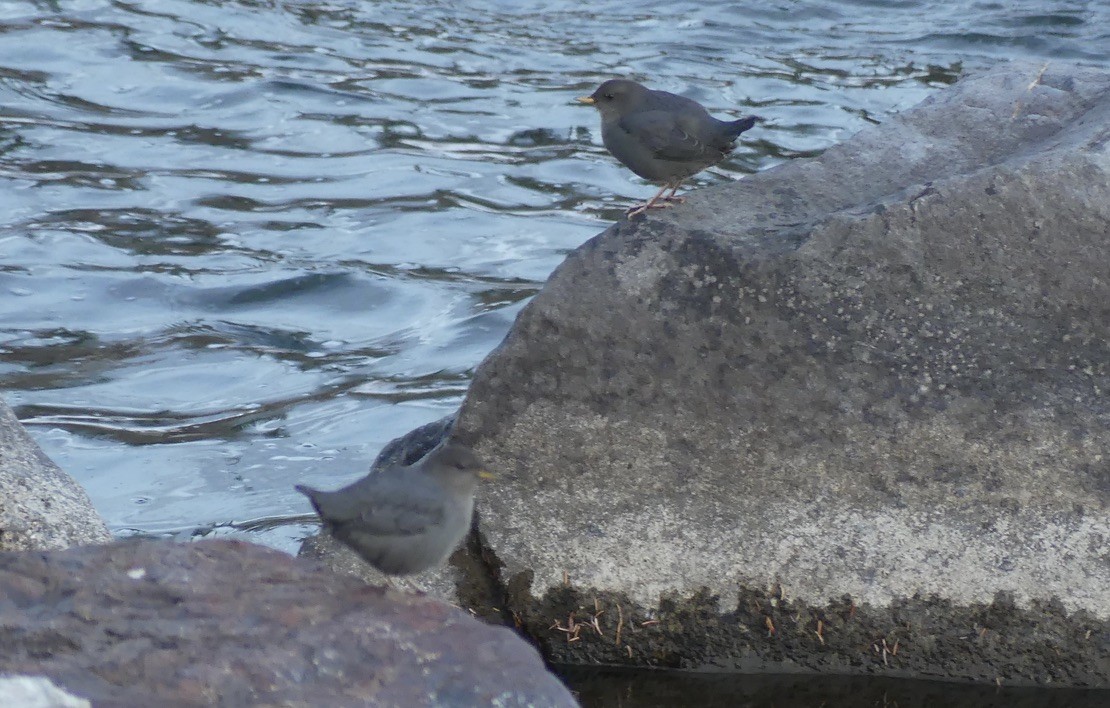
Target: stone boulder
230	623
41	507
848	415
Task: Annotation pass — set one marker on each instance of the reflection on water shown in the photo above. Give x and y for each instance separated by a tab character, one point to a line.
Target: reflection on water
613	688
244	244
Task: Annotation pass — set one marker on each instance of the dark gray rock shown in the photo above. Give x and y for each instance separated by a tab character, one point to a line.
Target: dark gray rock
849	403
409	448
41	506
222	622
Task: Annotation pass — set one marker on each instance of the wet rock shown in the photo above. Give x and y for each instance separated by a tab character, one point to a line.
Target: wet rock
229	623
848	415
42	507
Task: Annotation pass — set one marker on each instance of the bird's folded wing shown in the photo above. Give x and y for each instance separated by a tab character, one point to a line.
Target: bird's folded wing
386	507
663	134
400	517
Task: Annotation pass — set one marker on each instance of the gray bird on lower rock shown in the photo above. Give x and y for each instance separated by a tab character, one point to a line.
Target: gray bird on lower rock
405	519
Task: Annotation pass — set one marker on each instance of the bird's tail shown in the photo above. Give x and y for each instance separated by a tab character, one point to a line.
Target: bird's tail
311	494
736	127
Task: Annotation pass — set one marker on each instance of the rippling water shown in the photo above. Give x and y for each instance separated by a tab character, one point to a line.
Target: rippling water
244	244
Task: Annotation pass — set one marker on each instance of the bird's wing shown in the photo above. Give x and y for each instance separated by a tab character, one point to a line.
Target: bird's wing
666	136
395	507
401	516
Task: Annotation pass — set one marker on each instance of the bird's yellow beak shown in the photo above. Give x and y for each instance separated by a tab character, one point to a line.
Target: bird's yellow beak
588	100
485	474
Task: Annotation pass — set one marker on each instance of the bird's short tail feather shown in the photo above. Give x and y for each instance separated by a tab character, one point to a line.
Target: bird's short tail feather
310	493
739	126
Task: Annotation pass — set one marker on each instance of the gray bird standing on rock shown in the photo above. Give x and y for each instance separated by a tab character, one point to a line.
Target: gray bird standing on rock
405	519
661	136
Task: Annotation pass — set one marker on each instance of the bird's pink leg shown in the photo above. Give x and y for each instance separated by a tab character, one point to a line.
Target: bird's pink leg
671	197
649	204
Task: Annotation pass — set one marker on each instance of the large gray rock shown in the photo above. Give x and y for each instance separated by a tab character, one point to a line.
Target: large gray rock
847	415
41	507
228	623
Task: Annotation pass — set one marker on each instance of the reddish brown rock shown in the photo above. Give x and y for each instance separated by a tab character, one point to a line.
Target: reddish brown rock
149	622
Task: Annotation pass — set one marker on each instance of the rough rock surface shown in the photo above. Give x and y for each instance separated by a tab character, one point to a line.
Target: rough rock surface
41	507
849	415
229	623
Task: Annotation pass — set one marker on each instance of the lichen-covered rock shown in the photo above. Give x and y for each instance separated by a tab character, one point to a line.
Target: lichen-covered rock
850	414
230	623
41	507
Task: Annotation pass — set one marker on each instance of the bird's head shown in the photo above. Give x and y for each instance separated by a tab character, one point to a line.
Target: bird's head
455	460
615	97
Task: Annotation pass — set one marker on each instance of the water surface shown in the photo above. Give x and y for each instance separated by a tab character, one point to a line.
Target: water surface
613	688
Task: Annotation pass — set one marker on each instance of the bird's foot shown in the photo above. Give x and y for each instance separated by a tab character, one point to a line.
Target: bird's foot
674	199
637	210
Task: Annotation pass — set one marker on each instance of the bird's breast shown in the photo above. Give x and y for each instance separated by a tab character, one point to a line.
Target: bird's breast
632	153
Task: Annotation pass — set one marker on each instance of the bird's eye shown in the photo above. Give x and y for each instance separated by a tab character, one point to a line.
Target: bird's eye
608	97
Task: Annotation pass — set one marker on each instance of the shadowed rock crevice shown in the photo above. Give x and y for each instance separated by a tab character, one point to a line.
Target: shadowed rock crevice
479	587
